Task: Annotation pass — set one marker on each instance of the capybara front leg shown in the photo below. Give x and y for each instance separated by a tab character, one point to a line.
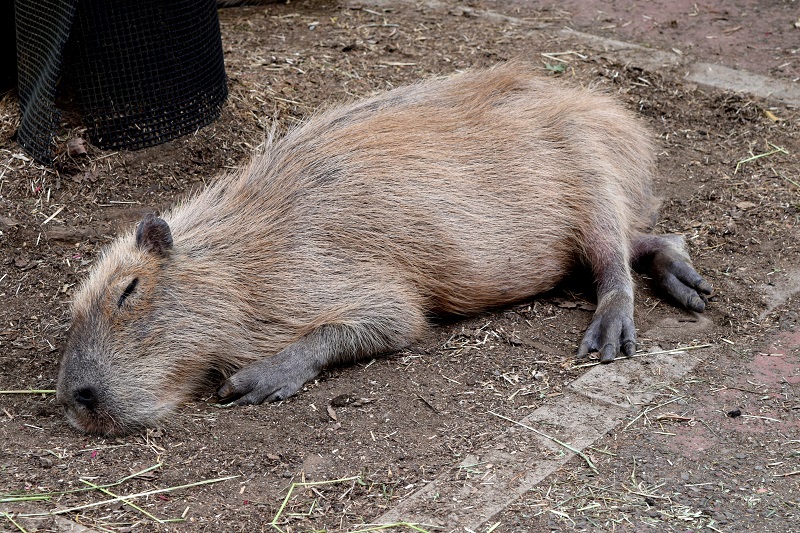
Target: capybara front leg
612	330
279	376
665	260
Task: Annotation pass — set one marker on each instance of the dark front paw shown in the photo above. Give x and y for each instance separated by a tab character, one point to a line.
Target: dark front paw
263	381
611	332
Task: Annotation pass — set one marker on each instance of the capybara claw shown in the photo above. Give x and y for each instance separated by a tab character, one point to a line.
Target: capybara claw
227	393
608	353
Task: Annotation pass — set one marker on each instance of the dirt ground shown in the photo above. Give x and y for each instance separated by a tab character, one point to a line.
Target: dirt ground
758	37
386	427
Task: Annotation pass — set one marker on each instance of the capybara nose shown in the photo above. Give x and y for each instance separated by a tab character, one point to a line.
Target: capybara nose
86	397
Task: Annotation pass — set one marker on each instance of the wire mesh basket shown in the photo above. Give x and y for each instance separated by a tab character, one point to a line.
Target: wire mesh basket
143	71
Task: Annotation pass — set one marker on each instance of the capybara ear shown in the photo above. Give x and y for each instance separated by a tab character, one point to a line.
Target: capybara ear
153	235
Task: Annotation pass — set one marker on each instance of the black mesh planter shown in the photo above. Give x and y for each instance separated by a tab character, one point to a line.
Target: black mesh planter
143	71
42	30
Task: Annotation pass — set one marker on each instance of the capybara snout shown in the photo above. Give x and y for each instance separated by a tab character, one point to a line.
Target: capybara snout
449	196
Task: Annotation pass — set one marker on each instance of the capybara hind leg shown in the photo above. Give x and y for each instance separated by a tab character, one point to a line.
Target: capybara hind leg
665	260
612	330
279	376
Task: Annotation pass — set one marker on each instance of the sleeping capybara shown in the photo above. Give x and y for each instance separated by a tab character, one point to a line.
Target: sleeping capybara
449	196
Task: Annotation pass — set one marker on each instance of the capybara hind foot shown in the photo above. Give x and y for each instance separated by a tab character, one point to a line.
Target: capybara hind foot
665	260
612	330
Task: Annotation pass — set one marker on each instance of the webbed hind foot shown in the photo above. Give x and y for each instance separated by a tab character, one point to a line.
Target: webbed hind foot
665	260
612	330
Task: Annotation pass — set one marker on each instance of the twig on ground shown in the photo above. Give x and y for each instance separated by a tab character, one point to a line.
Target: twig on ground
38	496
129	497
775	150
13	522
409	525
796	184
645	354
760	417
651	409
274	521
30	391
545	435
131	504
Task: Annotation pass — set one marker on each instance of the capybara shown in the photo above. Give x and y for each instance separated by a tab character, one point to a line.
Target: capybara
336	243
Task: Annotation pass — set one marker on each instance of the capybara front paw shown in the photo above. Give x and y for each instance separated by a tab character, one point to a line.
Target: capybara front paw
611	332
259	382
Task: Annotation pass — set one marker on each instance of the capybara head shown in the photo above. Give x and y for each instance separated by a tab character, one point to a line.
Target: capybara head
105	382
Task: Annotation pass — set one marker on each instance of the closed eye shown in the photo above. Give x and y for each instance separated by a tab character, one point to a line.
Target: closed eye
127	292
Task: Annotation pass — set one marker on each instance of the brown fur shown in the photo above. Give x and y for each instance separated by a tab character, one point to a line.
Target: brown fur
449	196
